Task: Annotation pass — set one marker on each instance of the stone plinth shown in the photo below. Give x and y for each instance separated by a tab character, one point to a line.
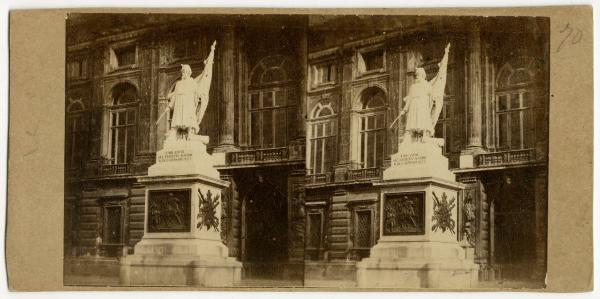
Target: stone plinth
181	243
418	245
415	160
180	157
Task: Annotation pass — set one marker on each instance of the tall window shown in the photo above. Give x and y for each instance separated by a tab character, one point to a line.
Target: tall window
123	124
314	241
75	134
362	238
514	103
372	128
322	139
77	69
271	103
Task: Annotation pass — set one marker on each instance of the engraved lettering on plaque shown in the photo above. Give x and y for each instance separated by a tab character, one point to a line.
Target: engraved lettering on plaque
169	211
409	159
174	156
404	214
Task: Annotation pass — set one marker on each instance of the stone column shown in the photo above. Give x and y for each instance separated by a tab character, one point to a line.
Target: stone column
474	88
227	102
474	96
153	101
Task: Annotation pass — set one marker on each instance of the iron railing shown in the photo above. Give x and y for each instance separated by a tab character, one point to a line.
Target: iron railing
258	155
506	158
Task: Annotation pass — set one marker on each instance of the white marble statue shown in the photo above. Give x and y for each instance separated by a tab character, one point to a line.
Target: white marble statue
189	100
424	102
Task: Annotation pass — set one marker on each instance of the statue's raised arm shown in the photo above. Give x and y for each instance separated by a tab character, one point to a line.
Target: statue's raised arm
203	83
438	85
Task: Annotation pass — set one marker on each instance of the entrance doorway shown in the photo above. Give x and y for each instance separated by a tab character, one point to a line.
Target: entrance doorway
514	227
265	227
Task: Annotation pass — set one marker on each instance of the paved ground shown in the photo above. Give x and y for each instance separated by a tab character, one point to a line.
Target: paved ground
94	280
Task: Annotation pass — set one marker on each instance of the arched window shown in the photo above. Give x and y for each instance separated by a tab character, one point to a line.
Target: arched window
372	128
122	120
322	139
514	103
272	102
76	131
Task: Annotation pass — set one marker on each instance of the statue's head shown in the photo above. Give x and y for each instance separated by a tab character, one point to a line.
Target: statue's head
186	71
420	73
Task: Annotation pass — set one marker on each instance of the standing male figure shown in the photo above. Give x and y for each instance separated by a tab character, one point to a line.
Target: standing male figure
189	99
424	102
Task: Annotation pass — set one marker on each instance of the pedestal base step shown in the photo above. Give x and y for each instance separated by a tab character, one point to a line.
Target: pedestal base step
403	274
410	265
180	271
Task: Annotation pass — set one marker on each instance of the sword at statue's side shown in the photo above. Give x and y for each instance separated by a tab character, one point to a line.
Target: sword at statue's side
397	118
162	115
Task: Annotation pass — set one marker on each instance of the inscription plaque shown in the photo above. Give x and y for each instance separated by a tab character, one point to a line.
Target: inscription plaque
169	211
409	159
404	214
174	156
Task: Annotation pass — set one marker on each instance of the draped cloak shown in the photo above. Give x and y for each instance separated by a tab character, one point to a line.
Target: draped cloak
184	102
418	107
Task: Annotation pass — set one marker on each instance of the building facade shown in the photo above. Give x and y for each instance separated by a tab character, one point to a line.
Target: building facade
302	112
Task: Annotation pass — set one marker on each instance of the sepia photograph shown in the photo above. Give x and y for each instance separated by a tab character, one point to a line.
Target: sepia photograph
341	152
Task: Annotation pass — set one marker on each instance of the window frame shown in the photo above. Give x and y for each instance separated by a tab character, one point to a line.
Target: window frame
360	60
261	109
331	122
113	106
114	125
105	231
527	114
363	206
317	72
321	215
71	116
82	65
114	64
364	131
509	111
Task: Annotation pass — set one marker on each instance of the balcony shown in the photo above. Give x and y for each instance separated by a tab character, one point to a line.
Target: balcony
256	156
506	158
114	169
364	174
318	178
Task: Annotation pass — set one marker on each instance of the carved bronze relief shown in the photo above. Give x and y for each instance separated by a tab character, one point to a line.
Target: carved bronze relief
207	211
442	213
404	214
169	211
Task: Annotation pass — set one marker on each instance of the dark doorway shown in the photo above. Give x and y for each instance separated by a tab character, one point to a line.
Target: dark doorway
265	228
514	227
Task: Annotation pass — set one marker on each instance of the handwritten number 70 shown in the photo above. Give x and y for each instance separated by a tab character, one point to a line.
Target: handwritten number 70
572	34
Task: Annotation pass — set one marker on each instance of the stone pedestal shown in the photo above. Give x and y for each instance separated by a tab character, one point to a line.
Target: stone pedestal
418	245
182	243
